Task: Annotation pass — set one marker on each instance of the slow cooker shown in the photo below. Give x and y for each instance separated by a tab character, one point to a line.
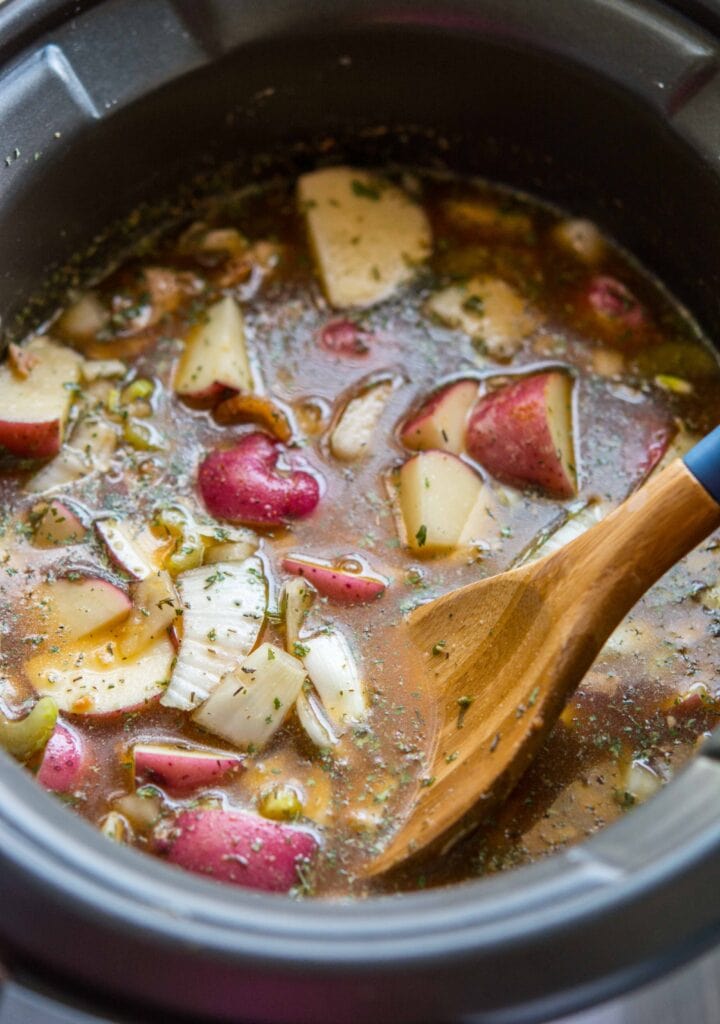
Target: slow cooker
611	109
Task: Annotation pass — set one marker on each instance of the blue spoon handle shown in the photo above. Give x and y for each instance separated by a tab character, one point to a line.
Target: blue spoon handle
703	461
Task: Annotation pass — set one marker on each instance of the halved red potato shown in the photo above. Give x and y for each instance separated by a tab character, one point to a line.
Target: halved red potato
352	435
237	847
34	407
90	679
178	769
440	423
64	760
215	358
58	524
75	608
339	584
344	338
438	494
523	435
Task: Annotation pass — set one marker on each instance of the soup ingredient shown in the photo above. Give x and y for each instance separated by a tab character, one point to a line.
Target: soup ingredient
579	519
331	665
34	407
64	760
493	313
97	681
83	320
344	338
127	545
25	737
615	307
353	433
580	238
89	449
314	720
188	550
215	358
295	602
74	608
252	701
438	494
223	612
367	235
179	770
155	607
653	433
281	803
441	421
57	524
115	827
255	409
479	217
242	484
238	847
336	583
523	434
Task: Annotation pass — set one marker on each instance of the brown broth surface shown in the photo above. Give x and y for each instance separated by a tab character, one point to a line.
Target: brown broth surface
650	695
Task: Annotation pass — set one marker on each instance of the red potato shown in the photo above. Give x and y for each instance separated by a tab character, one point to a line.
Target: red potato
241	484
34	407
63	762
648	443
58	525
178	770
237	847
440	422
215	357
522	434
77	608
438	496
614	310
340	585
344	338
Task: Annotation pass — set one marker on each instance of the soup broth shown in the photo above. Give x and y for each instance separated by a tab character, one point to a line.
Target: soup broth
236	461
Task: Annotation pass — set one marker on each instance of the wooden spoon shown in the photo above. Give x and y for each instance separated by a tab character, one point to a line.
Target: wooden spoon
504	655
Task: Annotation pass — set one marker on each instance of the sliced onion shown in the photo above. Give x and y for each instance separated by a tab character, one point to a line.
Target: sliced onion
224	608
331	666
314	721
296	599
581	516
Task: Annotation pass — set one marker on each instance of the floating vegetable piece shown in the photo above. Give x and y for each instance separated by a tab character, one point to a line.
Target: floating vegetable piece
442	420
485	219
352	435
367	235
581	239
155	608
89	449
64	760
114	826
313	719
523	434
189	550
223	611
255	409
281	803
128	546
340	584
579	519
75	608
25	737
332	668
57	524
344	338
241	484
490	311
438	495
83	320
238	847
179	769
34	407
87	680
296	601
253	700
93	370
215	357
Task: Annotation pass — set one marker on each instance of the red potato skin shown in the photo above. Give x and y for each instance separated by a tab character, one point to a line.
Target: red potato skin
344	338
63	762
237	847
340	586
31	440
611	309
240	484
181	774
508	434
649	444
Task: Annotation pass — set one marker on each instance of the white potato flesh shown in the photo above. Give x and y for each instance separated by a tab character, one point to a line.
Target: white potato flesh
97	680
489	310
155	608
252	701
72	609
351	438
223	611
45	394
89	449
438	495
215	355
367	236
